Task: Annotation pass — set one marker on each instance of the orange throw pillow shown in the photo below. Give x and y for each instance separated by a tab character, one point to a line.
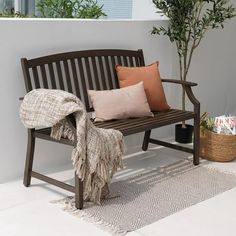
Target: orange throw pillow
152	83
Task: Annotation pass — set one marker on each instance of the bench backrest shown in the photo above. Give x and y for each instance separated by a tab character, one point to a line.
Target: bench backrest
76	72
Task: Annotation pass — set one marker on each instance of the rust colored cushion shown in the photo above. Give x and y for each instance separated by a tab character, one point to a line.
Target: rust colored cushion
152	83
120	103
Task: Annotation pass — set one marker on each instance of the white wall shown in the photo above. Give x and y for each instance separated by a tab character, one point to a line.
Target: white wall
215	71
32	38
144	9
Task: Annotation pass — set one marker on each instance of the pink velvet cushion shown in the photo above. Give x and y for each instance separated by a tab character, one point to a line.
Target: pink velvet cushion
122	103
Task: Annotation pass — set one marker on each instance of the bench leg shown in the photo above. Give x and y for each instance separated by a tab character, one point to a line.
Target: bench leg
196	140
146	140
29	157
79	201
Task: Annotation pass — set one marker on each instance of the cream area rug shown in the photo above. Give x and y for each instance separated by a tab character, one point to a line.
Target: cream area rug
148	197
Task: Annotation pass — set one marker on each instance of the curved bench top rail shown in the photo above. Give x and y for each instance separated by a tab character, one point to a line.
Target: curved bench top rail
79	71
81	54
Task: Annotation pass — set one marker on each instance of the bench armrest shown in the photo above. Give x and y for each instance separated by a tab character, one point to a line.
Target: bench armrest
183	83
187	86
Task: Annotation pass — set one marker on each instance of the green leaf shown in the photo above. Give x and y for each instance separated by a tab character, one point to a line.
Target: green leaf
70	9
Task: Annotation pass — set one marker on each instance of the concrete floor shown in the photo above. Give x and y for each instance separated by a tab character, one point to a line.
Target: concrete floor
28	211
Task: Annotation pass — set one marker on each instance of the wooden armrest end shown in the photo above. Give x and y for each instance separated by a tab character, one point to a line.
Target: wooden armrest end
175	81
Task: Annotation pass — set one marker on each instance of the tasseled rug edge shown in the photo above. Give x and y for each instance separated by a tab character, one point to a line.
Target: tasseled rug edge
68	204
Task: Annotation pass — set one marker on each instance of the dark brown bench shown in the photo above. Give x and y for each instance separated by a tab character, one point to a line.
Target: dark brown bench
76	72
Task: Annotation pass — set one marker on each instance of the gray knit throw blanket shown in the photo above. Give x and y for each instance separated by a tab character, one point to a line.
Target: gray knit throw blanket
97	153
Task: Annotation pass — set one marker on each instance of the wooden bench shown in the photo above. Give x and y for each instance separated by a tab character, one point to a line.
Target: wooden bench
76	72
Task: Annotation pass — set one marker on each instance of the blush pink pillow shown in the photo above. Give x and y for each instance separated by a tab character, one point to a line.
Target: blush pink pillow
120	103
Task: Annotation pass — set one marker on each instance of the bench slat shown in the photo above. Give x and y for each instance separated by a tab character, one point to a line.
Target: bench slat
131	62
84	86
109	74
52	76
88	72
36	77
67	74
44	76
137	62
75	78
126	61
119	60
95	72
102	73
113	63
60	78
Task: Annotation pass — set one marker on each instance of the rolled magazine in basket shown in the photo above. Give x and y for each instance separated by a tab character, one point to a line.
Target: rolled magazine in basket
225	125
218	138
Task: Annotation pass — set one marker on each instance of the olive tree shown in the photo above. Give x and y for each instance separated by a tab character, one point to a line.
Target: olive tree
189	20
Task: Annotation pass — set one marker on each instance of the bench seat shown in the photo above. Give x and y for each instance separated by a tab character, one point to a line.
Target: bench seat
131	126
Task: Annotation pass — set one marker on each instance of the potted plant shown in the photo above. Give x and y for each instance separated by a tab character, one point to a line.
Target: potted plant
70	9
189	20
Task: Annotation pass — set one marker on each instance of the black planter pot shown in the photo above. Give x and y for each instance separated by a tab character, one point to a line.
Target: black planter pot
183	135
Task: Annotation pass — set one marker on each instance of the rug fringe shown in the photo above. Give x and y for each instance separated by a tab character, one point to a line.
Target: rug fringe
69	206
214	168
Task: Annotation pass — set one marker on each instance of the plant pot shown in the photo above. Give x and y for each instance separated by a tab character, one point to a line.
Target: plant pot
183	135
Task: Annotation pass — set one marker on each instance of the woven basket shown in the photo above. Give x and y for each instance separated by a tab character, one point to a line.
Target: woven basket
217	147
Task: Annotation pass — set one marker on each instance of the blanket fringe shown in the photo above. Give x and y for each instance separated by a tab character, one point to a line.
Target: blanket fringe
57	131
62	129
